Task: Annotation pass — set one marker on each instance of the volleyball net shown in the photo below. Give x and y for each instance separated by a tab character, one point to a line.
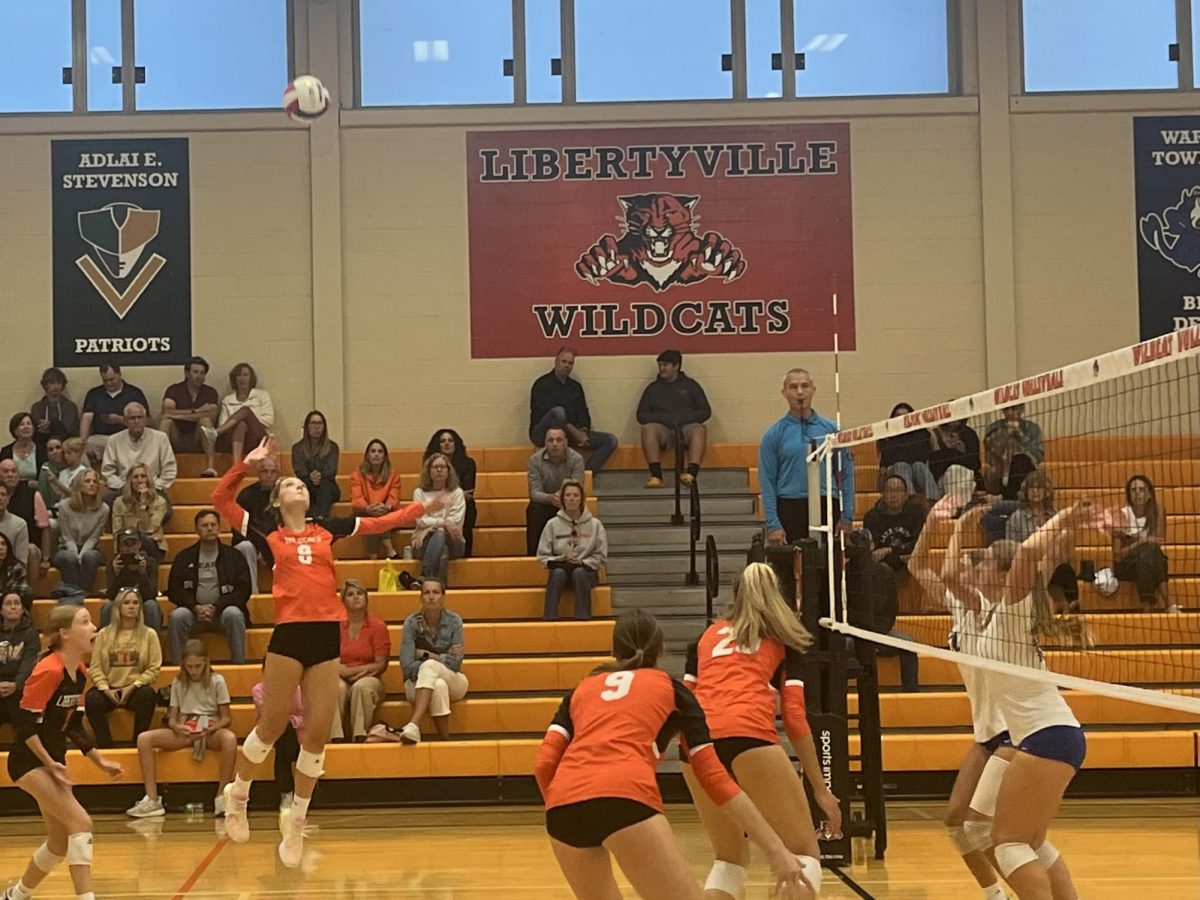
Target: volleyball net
1075	492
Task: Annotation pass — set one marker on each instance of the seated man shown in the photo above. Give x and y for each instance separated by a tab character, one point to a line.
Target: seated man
188	409
132	567
104	409
210	587
54	415
895	524
548	469
673	401
256	500
28	505
138	444
556	400
1012	448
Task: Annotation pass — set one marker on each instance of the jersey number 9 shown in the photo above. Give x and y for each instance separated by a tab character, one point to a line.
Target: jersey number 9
619	684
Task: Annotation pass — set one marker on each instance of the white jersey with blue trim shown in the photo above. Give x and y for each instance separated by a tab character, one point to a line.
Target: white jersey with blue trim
1027	705
986	719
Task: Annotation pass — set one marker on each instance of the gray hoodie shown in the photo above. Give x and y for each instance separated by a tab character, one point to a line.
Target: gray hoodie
583	538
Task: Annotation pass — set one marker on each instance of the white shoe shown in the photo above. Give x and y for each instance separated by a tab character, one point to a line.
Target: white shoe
237	826
219	805
146	808
209	432
291	847
410	734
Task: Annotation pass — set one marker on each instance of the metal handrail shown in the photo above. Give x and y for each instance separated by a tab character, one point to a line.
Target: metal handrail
677	516
712	576
693	576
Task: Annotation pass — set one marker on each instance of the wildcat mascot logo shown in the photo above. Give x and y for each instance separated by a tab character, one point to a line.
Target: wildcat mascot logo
1175	233
661	246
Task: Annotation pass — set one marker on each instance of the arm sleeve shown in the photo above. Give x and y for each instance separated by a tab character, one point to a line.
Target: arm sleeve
120	520
397	518
108	466
265	411
92	538
77	734
394	492
576	465
554	745
702	411
599	555
534	474
357	498
329	468
299	462
768	471
456	508
691	663
224	498
454	661
701	753
168	469
643	408
39	688
153	661
791	691
545	550
469	474
29	652
585	414
98	668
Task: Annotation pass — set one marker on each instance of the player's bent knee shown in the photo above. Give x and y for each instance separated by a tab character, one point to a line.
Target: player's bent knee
978	834
959	838
255	748
46	859
1013	856
311	764
812	871
726	877
79	849
1047	854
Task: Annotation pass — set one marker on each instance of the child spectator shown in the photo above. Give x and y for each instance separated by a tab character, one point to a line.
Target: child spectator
198	718
375	491
51	469
125	664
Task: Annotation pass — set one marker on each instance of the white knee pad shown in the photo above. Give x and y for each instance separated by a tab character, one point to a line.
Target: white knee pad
958	837
1010	857
255	748
983	801
1047	854
727	877
46	860
79	849
979	834
812	871
311	764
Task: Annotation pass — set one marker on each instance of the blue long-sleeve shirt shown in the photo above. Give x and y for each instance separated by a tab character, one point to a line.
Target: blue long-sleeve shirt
783	470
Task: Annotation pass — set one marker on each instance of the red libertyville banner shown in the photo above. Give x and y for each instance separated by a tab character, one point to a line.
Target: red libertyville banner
725	239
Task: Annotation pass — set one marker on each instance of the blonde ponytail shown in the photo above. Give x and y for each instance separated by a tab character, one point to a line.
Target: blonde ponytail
759	610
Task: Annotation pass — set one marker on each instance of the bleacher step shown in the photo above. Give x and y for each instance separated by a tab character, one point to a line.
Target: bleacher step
711	480
624	535
657	506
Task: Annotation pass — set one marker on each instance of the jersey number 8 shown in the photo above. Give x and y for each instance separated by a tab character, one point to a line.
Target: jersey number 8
304	554
619	684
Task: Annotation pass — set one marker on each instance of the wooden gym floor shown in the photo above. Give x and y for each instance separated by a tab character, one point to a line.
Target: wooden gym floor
1145	849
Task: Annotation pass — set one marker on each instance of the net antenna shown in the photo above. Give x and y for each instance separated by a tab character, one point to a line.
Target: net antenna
1107	428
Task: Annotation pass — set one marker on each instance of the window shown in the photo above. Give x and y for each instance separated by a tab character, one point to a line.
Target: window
638	50
543	43
416	52
1098	45
219	54
763	39
35	46
864	47
103	53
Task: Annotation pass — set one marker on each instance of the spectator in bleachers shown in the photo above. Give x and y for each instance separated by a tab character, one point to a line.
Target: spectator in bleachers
907	455
574	548
315	462
138	443
26	503
81	520
19	648
73	465
13	579
143	509
1035	509
955	444
671	401
256	500
197	718
556	400
548	468
247	412
49	472
447	442
431	657
1013	447
375	491
287	747
895	523
132	568
1137	538
437	537
210	587
871	598
55	415
104	409
364	659
126	660
189	414
23	450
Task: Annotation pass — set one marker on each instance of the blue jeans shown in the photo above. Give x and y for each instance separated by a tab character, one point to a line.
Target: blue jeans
435	554
582	580
918	478
151	613
183	623
601	442
78	569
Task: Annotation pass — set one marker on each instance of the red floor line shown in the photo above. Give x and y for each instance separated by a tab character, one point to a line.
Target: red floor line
200	869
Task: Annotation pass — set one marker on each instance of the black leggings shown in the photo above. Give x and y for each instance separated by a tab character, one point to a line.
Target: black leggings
97	706
1146	566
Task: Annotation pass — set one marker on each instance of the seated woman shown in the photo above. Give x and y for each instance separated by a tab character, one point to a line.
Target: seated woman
19	648
315	462
907	455
364	656
447	442
438	536
198	718
955	446
247	413
81	521
125	664
141	507
1012	449
24	450
574	547
375	491
431	655
1036	499
1137	538
12	575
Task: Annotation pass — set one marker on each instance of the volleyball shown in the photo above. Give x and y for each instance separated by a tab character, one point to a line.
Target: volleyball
306	98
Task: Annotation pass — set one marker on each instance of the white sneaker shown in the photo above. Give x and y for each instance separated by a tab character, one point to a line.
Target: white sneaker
291	847
410	734
237	826
146	808
219	805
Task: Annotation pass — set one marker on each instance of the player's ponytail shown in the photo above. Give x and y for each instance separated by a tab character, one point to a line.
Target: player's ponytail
61	618
759	610
637	642
1067	629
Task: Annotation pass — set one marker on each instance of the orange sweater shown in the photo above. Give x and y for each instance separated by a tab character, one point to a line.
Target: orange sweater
364	491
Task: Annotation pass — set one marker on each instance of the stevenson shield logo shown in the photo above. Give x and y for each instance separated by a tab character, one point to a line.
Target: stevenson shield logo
118	234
